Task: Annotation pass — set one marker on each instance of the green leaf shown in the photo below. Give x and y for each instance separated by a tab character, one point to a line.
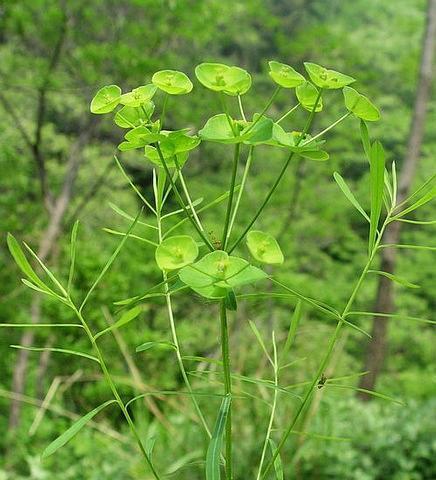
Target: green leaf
57	350
161	345
231	302
218	129
377	175
325	78
369	392
258	131
364	135
223	78
284	75
176	252
106	99
307	94
395	278
22	262
125	318
73	430
73	245
259	339
218	272
173	146
361	106
348	193
419	203
264	247
215	445
129	117
317	155
278	467
172	82
139	96
295	321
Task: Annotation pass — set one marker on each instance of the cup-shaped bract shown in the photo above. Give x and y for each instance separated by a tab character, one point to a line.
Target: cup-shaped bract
324	78
307	94
284	75
174	148
223	78
139	96
106	99
264	247
360	105
217	272
176	252
131	117
172	82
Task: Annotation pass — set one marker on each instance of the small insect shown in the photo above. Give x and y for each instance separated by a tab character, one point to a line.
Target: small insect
322	381
215	242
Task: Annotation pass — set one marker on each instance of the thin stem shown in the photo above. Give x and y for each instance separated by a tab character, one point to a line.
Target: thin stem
188	197
241	190
241	108
331	345
266	108
180	199
279	178
289	112
114	390
320	134
227	386
273	408
231	194
164	107
174	331
226	111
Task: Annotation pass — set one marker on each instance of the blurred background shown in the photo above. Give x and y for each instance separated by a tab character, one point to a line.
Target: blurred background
56	166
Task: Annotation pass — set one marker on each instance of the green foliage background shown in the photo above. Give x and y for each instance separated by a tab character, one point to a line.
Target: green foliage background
323	238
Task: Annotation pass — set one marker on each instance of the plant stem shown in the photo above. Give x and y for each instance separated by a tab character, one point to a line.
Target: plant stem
227	386
180	199
174	331
241	108
320	134
289	112
241	190
329	351
273	408
114	390
266	108
231	194
279	178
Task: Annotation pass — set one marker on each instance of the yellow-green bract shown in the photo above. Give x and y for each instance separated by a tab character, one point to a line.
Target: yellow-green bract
284	75
172	82
325	78
307	94
176	252
139	96
361	106
106	99
264	247
222	78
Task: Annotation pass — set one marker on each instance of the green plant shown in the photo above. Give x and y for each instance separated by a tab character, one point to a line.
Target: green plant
219	274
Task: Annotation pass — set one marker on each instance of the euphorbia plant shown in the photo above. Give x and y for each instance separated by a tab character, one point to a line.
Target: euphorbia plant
218	269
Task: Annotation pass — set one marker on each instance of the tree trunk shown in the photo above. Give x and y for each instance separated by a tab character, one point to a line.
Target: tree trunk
385	301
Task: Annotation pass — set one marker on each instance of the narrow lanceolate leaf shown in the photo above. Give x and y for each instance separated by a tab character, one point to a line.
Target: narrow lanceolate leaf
377	175
58	350
395	278
369	392
259	339
72	254
295	320
22	262
348	193
126	318
278	466
73	430
161	345
419	203
214	449
364	135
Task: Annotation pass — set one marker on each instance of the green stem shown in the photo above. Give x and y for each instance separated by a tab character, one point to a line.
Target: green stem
114	390
180	199
289	112
279	178
241	108
331	345
320	134
266	108
241	190
231	194
227	386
